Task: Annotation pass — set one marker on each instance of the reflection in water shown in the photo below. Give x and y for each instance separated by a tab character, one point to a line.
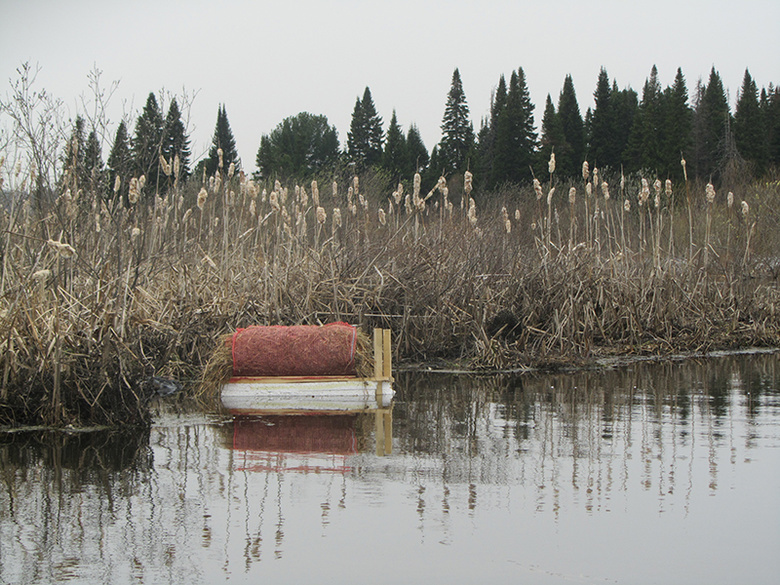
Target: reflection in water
511	479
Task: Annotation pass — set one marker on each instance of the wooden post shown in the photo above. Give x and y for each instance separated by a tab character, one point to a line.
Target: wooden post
378	365
387	354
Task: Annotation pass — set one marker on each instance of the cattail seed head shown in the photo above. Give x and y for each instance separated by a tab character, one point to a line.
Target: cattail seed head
315	193
221	161
605	190
382	216
337	217
321	215
730	199
573	194
668	189
710	193
203	195
585	171
685	169
538	189
550	196
61	248
745	209
551	163
467	182
231	170
627	206
117	184
416	185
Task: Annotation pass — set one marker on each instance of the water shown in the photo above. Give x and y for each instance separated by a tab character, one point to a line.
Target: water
650	474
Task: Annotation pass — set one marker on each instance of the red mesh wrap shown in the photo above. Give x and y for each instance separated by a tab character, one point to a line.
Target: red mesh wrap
300	350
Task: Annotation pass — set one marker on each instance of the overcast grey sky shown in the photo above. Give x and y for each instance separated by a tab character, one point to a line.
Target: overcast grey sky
269	60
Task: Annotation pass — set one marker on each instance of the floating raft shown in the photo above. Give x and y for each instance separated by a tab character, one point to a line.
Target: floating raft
313	394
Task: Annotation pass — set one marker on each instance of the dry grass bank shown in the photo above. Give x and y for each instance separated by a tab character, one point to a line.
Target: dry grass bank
95	298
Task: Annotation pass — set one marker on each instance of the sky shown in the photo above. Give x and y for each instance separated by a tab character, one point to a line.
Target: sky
267	60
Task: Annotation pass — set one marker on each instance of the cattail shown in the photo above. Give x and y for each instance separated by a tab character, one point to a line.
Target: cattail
166	166
335	187
745	209
41	275
508	225
231	170
517	215
336	215
710	193
472	213
355	184
685	169
585	171
595	176
97	223
141	183
176	167
730	199
605	190
467	182
551	163
668	189
187	215
416	185
133	191
627	205
273	199
538	189
589	188
117	184
321	215
221	161
202	196
303	197
572	195
217	182
382	216
62	249
315	193
550	196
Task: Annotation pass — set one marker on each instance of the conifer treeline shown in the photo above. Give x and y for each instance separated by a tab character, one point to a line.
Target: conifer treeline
623	132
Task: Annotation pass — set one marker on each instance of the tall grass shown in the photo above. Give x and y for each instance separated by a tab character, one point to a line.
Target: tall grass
95	298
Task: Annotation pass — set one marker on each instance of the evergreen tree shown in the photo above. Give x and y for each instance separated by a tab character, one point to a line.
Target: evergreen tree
120	163
223	139
711	120
147	143
771	107
602	148
486	138
176	142
416	153
73	159
93	164
515	141
457	131
570	155
749	127
365	136
299	147
644	150
625	105
552	139
394	159
677	128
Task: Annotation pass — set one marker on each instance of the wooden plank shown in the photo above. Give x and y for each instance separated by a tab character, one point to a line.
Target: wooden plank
387	353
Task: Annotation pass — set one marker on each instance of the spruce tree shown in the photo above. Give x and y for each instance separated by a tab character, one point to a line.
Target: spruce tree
515	141
749	127
677	127
416	153
486	138
570	155
120	163
711	120
222	139
365	136
73	158
601	151
644	150
552	139
394	158
457	131
772	118
146	145
176	142
93	164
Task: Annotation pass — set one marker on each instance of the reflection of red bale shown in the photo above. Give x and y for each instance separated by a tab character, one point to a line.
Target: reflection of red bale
301	350
333	434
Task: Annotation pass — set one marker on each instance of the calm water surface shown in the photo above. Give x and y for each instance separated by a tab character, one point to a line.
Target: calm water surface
649	474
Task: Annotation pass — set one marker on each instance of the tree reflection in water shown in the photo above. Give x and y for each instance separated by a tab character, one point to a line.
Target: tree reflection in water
201	499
